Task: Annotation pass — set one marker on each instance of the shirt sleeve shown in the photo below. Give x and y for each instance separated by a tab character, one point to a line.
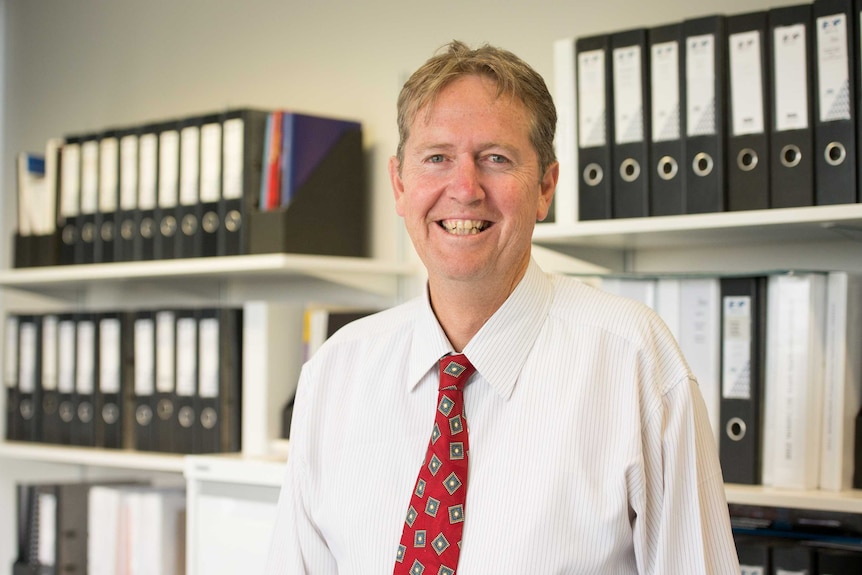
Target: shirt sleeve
296	546
683	524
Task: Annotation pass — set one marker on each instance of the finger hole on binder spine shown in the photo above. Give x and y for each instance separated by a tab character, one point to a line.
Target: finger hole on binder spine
746	160
702	164
835	153
630	170
790	156
593	174
735	429
667	168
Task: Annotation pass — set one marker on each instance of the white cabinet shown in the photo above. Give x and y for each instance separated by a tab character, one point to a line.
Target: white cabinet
231	503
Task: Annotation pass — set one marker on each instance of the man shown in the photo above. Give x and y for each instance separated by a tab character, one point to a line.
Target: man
589	448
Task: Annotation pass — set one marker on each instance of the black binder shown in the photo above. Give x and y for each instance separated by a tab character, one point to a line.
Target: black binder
186	381
107	222
210	184
754	553
791	163
630	150
667	101
66	353
69	199
29	414
791	557
242	164
10	376
50	375
86	379
188	238
748	112
165	396
705	85
743	325
838	561
167	227
85	249
144	347
220	381
127	230
114	377
595	127
146	225
835	98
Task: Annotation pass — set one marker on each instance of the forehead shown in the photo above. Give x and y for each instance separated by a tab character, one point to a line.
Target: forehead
472	105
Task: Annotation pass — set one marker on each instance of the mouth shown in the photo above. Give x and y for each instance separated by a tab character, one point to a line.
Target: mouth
464	227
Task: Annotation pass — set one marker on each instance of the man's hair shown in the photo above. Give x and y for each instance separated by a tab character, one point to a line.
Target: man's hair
513	77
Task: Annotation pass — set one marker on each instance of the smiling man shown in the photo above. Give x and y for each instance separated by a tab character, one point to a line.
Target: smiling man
506	421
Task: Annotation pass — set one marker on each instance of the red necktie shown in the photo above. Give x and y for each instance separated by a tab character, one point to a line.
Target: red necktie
431	540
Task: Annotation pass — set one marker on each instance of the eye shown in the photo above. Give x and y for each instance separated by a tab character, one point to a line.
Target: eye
435	159
498	159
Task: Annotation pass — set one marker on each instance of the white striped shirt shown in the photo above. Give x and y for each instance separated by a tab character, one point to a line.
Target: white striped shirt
590	448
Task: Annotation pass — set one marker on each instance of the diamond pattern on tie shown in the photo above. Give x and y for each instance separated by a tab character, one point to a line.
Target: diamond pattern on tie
431	538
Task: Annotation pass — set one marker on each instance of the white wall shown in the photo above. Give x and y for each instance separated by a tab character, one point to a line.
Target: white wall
71	66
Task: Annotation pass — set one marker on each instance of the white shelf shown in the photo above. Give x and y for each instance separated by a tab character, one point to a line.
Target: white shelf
91	456
235	468
817	223
365	274
845	501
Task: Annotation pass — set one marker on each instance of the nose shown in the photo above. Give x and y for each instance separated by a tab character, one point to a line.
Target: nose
466	184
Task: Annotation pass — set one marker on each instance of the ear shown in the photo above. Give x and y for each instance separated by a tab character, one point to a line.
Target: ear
397	184
546	190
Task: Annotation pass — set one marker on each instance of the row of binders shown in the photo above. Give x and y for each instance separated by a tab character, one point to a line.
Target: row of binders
778	358
778	540
166	380
100	529
760	555
242	181
720	113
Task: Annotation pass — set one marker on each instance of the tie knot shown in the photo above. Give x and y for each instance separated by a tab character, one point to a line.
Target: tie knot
455	370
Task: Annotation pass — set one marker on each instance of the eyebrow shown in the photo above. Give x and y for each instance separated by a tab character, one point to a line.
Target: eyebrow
443	147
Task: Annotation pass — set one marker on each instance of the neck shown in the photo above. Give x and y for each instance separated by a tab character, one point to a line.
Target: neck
462	308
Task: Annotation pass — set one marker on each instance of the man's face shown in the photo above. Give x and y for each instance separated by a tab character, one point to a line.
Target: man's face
470	189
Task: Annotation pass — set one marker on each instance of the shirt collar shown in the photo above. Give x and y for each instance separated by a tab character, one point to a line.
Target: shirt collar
500	348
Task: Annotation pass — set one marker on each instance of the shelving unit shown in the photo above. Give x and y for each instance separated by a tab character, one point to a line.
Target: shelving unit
273	290
819	237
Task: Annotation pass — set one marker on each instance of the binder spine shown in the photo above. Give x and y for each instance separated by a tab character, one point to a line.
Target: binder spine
791	164
667	172
631	97
705	73
835	98
595	127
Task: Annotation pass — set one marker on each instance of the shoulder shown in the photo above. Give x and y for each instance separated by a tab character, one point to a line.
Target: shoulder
577	301
383	324
581	306
368	334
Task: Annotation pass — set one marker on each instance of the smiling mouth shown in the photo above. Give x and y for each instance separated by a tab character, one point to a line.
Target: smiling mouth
464	227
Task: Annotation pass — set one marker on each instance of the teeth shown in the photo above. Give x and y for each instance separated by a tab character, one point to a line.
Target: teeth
464	227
